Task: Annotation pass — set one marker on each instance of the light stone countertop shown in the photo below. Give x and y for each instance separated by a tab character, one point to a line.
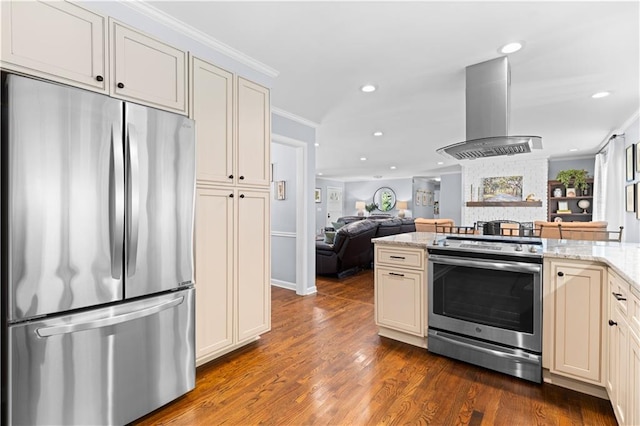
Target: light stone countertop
623	258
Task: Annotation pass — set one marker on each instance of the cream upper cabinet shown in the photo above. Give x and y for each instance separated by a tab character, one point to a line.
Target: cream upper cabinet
575	308
253	134
146	70
233	130
212	108
214	246
58	41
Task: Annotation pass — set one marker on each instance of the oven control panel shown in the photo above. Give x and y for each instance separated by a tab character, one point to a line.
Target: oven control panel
511	246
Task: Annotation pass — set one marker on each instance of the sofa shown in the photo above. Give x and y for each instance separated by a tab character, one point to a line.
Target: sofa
429	225
352	249
573	230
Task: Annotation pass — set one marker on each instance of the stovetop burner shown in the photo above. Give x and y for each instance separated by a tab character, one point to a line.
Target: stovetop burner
490	244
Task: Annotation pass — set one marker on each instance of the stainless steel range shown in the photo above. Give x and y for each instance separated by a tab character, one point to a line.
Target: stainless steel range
485	302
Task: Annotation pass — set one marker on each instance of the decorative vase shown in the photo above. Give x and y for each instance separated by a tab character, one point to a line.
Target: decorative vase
557	192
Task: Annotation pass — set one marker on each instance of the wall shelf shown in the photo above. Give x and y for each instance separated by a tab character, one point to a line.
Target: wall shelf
504	204
577	213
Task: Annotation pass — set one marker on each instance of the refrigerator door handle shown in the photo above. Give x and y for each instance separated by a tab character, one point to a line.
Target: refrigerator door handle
116	203
133	199
105	322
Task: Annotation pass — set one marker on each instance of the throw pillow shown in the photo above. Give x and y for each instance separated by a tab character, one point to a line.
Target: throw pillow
329	237
338	225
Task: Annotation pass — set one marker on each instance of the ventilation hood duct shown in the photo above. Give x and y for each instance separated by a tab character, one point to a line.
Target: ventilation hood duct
488	98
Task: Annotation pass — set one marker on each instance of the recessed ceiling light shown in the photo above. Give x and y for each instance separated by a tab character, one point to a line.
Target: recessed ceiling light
368	88
363	158
392	167
511	47
573	149
320	174
600	95
316	144
437	179
378	133
440	163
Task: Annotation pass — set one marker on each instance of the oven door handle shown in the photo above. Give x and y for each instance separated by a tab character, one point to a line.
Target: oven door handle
485	264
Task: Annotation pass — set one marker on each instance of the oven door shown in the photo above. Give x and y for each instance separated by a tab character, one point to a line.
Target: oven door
494	301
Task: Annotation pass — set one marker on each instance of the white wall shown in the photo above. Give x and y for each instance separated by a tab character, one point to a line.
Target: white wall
451	198
283	216
306	258
631	224
534	173
364	190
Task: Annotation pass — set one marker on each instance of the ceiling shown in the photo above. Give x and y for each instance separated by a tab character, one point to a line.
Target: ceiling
416	54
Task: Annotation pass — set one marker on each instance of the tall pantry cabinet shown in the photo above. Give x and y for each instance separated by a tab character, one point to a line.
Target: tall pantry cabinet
232	244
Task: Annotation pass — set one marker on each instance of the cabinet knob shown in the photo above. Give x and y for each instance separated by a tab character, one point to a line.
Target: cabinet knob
241	177
99	78
230	176
120	85
561	274
231	195
241	195
612	323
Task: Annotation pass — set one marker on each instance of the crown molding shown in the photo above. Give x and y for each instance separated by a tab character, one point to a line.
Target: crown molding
290	116
199	36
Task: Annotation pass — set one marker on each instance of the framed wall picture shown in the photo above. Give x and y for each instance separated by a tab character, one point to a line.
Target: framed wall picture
317	195
281	193
630	163
637	200
638	157
630	198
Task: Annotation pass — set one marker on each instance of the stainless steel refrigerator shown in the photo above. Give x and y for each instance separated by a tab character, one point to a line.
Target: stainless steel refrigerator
97	261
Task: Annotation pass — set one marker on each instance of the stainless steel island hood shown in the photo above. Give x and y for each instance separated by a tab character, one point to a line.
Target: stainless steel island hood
487	107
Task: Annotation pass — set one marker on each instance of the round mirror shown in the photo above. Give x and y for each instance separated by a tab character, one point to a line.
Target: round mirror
385	199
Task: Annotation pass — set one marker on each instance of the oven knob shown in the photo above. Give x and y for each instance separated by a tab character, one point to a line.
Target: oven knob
519	247
445	243
533	249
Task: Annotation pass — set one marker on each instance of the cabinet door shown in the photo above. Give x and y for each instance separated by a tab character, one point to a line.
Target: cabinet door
55	40
213	271
147	71
619	365
253	134
398	299
212	108
578	320
253	266
633	410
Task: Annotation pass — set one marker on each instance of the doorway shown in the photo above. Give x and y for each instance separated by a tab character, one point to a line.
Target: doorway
334	204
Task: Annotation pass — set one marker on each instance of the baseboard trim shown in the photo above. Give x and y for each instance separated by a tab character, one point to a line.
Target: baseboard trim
283	284
421	342
575	385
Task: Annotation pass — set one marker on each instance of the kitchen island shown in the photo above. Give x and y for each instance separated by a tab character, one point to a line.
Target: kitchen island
591	311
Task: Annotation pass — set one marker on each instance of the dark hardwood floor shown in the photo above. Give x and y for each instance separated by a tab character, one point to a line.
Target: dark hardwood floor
323	363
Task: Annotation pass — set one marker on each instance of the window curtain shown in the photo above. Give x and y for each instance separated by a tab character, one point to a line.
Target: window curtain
608	193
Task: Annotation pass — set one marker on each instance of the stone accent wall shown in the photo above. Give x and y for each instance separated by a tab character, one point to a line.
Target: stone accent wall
534	173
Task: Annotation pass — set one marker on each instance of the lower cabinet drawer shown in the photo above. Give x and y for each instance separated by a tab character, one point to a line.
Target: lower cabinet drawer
405	257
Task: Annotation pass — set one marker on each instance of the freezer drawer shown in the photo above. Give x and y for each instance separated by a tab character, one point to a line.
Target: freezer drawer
106	366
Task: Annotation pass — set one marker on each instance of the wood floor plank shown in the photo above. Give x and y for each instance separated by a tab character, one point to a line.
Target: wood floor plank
323	363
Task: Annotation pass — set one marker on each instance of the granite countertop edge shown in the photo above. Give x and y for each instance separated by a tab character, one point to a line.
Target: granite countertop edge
623	258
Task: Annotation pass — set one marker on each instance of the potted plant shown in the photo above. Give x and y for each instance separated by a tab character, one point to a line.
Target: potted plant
575	177
370	207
